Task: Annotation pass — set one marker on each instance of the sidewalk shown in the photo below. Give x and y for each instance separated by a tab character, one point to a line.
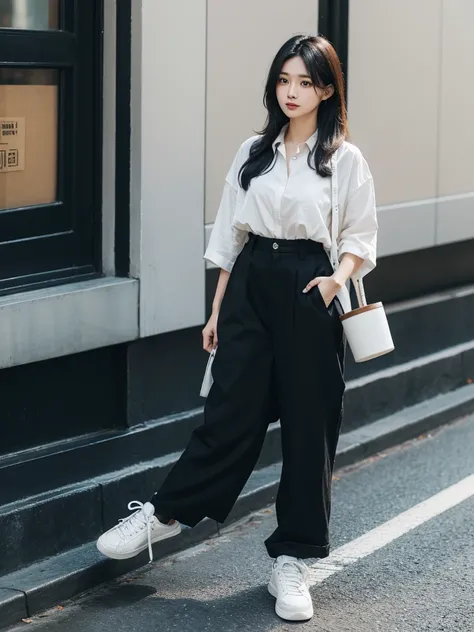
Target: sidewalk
422	581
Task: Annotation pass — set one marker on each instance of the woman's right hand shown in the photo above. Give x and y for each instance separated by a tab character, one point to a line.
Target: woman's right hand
209	333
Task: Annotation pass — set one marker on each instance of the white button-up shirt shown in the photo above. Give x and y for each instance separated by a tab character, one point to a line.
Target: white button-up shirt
297	206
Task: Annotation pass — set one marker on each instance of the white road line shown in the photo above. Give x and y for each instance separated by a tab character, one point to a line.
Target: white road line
391	530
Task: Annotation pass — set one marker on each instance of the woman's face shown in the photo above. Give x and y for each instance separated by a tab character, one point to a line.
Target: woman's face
296	87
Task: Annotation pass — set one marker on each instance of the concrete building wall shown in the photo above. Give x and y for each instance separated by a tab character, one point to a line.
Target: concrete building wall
242	39
198	71
455	213
410	107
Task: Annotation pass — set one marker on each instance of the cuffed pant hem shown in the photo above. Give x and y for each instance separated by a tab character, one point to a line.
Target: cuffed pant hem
190	521
176	515
296	549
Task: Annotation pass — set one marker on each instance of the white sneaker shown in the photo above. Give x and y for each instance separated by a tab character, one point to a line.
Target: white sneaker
134	534
289	584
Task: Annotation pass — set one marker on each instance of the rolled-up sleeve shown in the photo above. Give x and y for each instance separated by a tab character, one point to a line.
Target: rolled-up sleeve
226	241
358	234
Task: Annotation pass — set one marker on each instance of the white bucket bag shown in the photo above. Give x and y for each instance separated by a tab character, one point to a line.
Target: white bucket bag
366	327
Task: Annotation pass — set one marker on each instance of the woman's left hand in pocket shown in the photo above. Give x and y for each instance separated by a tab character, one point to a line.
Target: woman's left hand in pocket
328	287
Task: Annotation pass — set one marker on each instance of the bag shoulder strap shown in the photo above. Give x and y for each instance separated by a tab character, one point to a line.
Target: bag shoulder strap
358	284
334	212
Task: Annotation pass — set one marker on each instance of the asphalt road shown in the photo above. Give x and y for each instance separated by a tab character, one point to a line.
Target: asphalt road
413	572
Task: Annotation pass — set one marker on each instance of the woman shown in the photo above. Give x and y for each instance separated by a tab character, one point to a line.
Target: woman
276	320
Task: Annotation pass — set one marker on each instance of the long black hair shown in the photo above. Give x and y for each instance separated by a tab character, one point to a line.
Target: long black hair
324	68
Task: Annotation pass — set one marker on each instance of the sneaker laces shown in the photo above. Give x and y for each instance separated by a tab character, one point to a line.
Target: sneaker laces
136	522
294	574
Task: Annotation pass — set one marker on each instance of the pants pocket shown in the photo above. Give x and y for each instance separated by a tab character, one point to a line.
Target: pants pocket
329	309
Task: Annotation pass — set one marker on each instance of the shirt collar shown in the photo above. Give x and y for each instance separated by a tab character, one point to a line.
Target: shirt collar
311	142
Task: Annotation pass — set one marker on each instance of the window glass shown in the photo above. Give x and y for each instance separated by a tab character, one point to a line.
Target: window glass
41	15
28	136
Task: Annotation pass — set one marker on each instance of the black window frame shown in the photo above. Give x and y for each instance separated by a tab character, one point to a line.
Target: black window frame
61	242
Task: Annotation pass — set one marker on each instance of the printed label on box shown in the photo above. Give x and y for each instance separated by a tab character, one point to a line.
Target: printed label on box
12	144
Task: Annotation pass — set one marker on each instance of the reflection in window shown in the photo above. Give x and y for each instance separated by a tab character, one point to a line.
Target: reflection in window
38	15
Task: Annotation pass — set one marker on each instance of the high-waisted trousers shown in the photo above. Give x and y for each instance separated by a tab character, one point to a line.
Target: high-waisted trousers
280	356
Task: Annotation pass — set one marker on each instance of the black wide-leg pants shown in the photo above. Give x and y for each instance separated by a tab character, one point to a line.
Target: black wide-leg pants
280	356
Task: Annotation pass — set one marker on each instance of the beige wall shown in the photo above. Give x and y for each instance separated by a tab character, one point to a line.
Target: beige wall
456	160
411	65
411	100
242	39
455	209
394	53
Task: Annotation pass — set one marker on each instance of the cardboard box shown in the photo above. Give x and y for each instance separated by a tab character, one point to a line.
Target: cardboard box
30	175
